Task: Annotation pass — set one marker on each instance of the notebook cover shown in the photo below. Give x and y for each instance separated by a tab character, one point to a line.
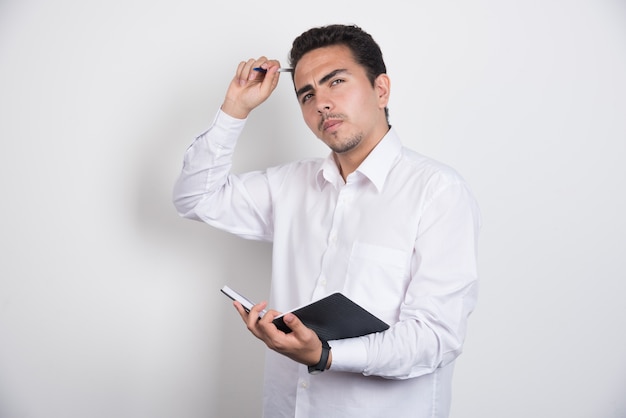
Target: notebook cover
335	317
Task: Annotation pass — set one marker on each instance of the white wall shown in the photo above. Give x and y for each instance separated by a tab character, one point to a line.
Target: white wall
110	304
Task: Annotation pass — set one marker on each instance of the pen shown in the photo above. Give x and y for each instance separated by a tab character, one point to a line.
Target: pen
280	70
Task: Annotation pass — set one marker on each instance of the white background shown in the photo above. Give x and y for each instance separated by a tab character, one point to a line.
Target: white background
110	303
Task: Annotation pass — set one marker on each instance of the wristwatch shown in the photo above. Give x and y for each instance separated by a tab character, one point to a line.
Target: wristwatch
321	366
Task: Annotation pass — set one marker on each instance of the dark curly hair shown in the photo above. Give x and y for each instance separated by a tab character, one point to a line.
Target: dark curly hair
364	49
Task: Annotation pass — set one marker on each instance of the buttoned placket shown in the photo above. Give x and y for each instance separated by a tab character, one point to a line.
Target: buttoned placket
341	210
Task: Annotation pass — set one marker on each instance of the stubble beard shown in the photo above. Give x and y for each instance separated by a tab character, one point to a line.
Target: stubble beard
347	145
341	145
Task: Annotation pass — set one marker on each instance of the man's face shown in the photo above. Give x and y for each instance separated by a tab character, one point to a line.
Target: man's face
338	102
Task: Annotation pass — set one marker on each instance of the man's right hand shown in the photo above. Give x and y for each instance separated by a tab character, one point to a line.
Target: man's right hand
250	88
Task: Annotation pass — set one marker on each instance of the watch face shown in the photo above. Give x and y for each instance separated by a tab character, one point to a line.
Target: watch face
313	370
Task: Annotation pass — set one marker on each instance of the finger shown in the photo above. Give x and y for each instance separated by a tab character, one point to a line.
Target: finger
302	344
262	70
251	318
267	64
261	62
300	331
270	80
242	311
255	314
293	322
245	313
253	74
244	71
239	76
259	309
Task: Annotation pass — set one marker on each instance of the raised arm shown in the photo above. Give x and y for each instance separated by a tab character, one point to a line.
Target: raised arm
205	189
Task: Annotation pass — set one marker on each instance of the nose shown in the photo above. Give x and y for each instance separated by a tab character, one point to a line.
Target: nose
323	101
323	109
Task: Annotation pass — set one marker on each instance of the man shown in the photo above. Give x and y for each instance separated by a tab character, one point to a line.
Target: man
393	230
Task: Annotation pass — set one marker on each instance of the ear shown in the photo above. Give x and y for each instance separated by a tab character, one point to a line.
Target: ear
382	85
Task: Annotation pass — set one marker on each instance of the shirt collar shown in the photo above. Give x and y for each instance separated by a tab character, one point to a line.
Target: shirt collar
375	167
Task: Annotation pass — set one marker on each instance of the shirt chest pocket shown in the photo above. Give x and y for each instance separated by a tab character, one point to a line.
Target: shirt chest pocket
377	278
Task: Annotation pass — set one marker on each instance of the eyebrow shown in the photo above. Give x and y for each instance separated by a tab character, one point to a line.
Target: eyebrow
322	80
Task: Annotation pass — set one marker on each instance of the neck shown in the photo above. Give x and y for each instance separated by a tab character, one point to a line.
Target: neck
348	162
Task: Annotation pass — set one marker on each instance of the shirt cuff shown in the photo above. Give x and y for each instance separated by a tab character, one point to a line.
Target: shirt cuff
349	355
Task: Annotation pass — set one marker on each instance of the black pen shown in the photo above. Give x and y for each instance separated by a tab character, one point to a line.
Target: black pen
280	70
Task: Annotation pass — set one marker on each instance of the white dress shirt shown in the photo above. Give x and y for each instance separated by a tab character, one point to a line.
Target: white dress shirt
398	237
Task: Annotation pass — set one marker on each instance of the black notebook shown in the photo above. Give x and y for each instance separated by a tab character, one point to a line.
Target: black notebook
335	317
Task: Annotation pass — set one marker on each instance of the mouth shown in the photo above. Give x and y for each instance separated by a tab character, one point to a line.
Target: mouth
330	125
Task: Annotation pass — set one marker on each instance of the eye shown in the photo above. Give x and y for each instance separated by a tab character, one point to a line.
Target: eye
337	81
306	97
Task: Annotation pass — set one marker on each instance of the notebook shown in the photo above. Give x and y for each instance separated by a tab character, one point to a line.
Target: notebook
335	317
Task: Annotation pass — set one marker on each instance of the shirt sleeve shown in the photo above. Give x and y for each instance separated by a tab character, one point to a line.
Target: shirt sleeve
441	295
207	191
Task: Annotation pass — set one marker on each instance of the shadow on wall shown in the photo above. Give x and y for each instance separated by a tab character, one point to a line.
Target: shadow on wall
210	259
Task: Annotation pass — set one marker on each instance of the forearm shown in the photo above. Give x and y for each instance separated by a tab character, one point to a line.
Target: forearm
415	346
433	313
206	164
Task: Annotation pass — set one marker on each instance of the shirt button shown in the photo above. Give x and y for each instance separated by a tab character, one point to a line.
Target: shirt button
304	384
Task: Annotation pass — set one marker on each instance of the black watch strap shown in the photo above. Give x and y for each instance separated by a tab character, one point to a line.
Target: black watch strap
321	366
